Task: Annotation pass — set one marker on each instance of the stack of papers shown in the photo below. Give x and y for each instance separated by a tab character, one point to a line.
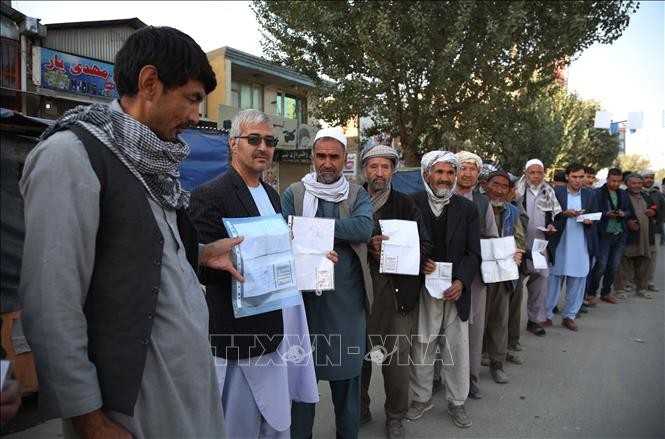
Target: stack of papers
313	239
498	264
400	254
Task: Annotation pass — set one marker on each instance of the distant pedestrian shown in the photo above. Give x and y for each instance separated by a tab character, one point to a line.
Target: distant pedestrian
637	252
612	233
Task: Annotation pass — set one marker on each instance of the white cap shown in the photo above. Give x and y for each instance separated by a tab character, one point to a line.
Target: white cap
534	162
335	133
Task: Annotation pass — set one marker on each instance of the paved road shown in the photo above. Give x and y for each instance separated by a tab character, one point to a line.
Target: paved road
607	380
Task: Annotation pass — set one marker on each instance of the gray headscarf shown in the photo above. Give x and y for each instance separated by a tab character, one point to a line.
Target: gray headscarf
430	159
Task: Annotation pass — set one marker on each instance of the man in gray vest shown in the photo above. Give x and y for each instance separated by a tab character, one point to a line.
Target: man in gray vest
336	318
467	178
112	305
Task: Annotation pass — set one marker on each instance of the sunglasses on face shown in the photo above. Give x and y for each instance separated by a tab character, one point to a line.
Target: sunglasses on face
255	140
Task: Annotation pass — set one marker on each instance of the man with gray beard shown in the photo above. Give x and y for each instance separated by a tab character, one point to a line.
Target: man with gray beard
498	293
442	322
395	295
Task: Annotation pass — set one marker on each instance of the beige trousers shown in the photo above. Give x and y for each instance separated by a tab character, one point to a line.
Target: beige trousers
452	343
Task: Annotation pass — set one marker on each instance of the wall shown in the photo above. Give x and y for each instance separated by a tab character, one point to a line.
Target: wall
219	95
98	43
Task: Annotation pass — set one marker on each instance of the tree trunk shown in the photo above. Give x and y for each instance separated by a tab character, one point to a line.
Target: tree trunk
410	153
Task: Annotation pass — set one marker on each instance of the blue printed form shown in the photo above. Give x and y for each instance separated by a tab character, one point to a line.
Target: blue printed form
265	259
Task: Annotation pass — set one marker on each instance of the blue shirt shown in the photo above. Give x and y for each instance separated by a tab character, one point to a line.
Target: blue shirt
572	254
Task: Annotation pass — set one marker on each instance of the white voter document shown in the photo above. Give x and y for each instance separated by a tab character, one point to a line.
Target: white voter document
400	253
440	279
539	261
497	259
592	216
313	239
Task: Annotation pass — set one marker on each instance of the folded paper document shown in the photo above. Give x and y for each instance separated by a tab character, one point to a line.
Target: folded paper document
400	253
498	264
313	239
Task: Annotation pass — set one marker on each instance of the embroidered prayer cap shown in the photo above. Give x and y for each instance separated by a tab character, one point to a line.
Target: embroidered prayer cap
647	171
335	133
534	162
434	157
469	157
380	151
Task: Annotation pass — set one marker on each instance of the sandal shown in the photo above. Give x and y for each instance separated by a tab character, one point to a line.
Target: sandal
643	294
622	296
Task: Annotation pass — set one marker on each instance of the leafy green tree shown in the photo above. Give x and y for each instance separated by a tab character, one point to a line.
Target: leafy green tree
421	69
631	162
546	123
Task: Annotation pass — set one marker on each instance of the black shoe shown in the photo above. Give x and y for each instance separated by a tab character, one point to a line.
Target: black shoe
394	429
584	309
474	392
535	328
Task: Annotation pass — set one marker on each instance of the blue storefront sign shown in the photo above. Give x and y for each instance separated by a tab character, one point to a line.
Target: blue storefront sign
75	74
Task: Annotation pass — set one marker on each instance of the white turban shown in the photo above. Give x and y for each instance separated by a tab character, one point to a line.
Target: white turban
469	157
430	159
647	171
534	162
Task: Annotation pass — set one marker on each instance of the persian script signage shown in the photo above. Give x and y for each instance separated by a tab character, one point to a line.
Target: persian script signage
75	74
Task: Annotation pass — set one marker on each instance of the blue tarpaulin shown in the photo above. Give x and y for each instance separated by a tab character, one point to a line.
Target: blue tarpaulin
208	158
408	181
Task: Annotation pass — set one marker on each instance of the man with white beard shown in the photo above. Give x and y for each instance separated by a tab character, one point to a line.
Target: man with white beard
541	206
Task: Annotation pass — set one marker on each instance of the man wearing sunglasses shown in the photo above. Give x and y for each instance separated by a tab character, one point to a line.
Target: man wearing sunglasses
253	380
336	318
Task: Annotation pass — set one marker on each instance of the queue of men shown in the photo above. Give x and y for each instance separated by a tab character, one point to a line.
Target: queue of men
116	250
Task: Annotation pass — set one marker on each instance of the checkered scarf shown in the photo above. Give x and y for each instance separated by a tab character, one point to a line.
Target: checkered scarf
154	162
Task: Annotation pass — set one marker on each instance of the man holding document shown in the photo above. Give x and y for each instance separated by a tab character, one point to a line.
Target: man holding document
541	206
570	246
336	318
395	295
498	293
445	300
253	364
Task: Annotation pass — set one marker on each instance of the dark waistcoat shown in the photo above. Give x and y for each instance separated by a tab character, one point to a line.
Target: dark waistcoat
122	296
